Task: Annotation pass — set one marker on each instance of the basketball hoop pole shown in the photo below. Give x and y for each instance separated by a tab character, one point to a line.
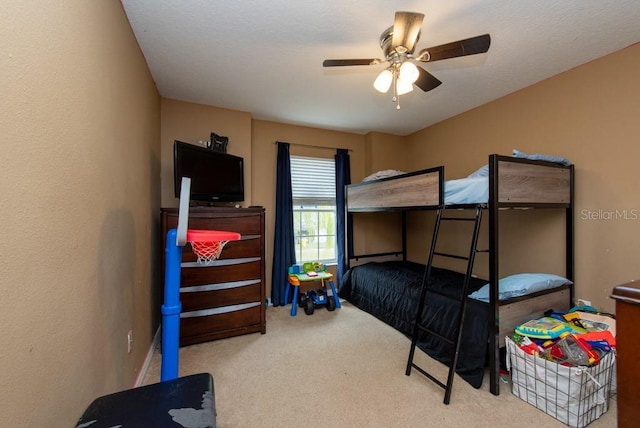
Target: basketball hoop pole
171	308
207	245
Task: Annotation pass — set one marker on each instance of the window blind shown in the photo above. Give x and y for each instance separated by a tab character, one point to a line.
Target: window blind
313	181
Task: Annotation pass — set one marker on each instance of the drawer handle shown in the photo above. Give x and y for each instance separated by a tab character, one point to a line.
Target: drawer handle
248	237
223	262
218	311
219	286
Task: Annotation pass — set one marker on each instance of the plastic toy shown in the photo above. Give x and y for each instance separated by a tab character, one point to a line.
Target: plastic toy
543	328
315	298
600	347
605	336
308	272
572	350
572	319
529	346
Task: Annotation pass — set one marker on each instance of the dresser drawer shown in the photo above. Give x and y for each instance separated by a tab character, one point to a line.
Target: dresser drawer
224	273
242	224
219	319
248	225
217	295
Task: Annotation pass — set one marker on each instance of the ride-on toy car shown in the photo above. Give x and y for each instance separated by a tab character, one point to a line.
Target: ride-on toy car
315	298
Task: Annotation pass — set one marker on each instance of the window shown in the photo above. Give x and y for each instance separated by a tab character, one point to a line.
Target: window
313	182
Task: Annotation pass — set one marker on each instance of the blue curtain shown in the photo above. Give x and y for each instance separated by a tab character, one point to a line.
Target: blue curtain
284	254
344	223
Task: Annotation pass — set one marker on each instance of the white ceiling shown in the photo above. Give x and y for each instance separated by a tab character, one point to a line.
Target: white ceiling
265	56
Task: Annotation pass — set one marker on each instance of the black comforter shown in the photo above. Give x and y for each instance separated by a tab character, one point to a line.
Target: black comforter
391	290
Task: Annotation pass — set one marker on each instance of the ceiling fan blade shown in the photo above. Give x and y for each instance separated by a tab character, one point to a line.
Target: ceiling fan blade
426	81
406	29
471	46
346	62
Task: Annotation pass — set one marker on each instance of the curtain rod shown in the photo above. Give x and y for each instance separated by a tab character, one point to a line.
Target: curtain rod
312	146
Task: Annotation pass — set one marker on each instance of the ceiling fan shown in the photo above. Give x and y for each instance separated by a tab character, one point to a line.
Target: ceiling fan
398	44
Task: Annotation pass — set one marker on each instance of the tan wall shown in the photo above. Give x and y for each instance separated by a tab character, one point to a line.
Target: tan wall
376	233
384	151
192	123
79	119
589	115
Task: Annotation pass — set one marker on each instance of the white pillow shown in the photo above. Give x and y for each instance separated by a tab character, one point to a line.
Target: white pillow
521	284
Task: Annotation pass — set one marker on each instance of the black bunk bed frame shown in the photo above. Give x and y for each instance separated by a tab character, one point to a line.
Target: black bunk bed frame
553	189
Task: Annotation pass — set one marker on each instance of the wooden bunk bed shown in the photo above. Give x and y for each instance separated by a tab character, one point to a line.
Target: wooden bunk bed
512	183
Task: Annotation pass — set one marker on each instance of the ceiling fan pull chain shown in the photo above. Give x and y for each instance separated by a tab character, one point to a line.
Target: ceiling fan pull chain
396	97
395	86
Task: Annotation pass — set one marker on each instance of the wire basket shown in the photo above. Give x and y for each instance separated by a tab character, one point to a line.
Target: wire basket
576	396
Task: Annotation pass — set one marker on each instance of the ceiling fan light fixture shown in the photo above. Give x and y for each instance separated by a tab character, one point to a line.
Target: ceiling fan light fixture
409	72
403	86
398	44
383	81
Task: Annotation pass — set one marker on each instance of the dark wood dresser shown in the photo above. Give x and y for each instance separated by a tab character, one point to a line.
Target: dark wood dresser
227	297
627	297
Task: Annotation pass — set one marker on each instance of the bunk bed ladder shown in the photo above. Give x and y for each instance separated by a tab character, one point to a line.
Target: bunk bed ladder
417	328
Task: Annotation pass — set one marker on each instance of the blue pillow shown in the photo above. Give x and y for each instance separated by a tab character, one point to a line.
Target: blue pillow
548	158
521	284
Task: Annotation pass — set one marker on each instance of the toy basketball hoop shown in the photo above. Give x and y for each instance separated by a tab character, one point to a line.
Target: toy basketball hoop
208	244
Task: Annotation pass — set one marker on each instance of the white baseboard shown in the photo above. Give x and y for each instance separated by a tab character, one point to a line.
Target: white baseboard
155	343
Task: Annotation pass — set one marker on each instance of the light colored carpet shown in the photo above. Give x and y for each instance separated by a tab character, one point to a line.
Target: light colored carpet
342	369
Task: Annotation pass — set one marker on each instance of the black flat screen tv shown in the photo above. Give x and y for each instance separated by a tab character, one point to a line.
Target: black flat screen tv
215	176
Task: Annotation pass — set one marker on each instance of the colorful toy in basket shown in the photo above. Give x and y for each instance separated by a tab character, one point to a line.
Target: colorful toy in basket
572	350
544	328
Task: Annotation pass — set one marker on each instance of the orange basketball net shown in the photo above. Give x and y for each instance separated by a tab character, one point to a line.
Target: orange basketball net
208	244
